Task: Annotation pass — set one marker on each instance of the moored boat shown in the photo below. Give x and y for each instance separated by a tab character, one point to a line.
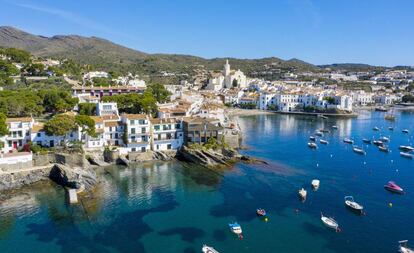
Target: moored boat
359	150
384	139
324	130
378	143
315	184
367	141
335	127
403	248
390	117
323	141
312	138
236	229
312	145
393	187
302	193
391	128
329	222
406	131
349	141
381	109
319	133
376	129
406	148
384	149
260	212
406	155
349	201
208	249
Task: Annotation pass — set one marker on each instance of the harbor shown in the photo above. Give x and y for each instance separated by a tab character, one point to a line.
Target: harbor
138	201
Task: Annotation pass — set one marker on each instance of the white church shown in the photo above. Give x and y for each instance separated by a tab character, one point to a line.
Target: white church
227	79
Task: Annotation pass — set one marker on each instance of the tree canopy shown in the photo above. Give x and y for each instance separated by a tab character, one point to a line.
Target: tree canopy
408	98
134	103
87	109
87	124
60	125
3	126
159	92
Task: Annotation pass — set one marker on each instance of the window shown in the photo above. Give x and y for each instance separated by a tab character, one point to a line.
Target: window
157	127
39	134
134	149
143	149
141	122
168	146
143	130
132	122
132	130
158	147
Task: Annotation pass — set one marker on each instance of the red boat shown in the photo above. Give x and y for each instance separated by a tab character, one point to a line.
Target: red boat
261	212
393	187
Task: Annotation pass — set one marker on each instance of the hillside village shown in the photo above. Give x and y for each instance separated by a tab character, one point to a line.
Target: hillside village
94	110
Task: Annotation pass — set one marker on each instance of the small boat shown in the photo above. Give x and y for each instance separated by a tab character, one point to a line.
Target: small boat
406	155
403	248
302	193
236	228
359	150
335	127
349	201
406	131
384	149
381	109
391	128
208	249
376	129
319	133
315	184
406	148
378	143
312	138
367	141
322	116
329	222
393	187
384	139
324	130
349	141
260	212
312	145
323	141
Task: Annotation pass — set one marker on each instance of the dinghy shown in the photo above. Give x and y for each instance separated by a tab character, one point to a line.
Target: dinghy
376	129
406	155
367	141
302	193
330	222
349	201
384	149
323	141
406	148
208	249
393	187
349	141
312	145
359	150
406	131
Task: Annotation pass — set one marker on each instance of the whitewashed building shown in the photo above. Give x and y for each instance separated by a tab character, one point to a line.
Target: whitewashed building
137	130
167	134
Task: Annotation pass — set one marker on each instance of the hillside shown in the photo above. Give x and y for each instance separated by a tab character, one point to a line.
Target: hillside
110	56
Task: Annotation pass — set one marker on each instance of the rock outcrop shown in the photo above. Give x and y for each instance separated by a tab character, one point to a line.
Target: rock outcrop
19	179
75	177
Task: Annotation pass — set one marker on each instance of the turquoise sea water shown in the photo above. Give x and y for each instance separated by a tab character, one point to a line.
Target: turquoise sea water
176	207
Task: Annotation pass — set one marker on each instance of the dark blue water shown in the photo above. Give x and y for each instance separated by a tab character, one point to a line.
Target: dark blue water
176	207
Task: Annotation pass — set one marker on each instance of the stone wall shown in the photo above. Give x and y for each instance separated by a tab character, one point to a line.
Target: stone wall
15	180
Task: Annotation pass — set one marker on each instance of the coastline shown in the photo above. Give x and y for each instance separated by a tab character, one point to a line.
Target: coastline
231	112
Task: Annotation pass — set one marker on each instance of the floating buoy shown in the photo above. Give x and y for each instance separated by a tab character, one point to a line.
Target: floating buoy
390	204
392	161
365	162
317	165
266	219
331	155
396	170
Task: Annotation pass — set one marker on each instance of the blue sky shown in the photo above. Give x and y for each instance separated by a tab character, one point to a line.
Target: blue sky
379	32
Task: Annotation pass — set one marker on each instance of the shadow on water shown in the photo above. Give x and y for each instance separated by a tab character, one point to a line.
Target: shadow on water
122	234
188	234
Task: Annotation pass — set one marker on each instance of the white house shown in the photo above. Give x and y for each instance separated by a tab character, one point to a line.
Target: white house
167	134
19	133
137	131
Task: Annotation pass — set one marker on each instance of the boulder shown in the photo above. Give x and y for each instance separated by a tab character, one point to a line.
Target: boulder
75	177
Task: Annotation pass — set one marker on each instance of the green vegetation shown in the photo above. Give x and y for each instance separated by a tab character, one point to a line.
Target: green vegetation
408	99
330	100
57	101
273	108
3	125
87	109
60	125
161	94
6	70
315	109
16	55
248	105
134	103
87	124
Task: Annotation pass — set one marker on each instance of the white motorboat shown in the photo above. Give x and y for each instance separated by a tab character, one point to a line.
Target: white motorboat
378	143
323	141
384	139
384	149
359	150
329	222
315	183
406	148
406	155
235	228
312	145
403	248
376	129
312	138
349	201
391	128
349	141
208	249
406	131
302	193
